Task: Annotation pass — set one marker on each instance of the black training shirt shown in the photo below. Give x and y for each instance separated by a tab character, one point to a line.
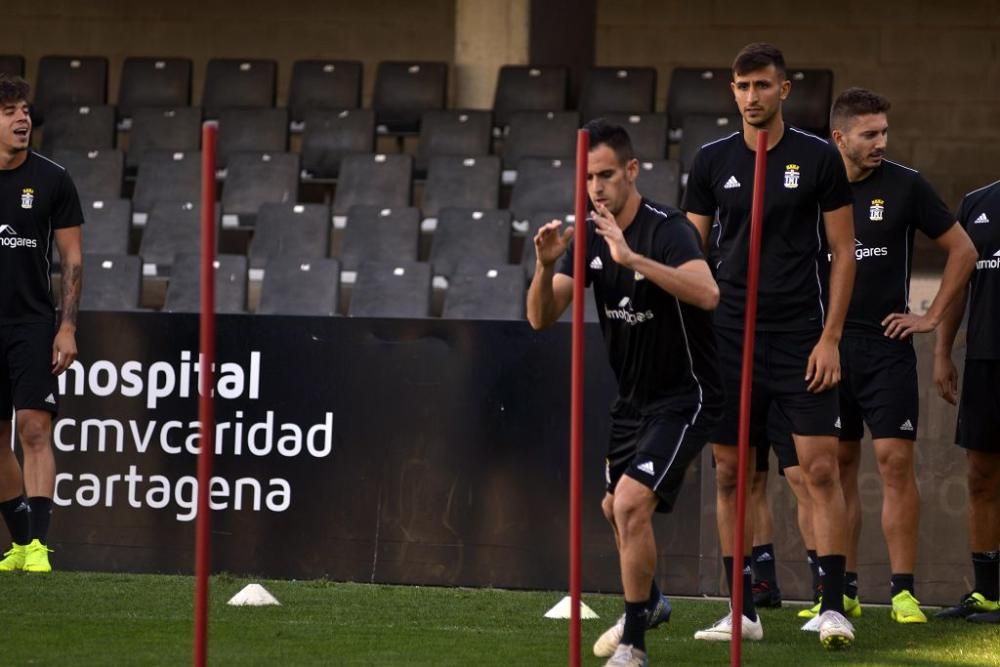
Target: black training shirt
889	205
662	351
979	213
35	198
805	177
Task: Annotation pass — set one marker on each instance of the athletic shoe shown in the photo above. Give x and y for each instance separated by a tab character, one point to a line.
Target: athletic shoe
627	655
852	608
766	595
608	642
835	631
13	558
722	631
906	608
973	603
985	617
36	557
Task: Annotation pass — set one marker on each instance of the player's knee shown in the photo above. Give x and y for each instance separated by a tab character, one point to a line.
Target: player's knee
34	431
608	508
983	485
823	473
897	471
630	513
726	473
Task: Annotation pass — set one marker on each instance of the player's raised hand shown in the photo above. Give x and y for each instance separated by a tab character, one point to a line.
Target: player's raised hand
606	227
551	242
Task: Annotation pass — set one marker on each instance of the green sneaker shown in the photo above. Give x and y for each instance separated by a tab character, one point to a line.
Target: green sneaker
906	609
13	558
36	557
973	603
852	608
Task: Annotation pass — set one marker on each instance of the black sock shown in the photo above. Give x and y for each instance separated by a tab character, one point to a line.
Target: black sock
654	594
814	568
635	624
900	583
41	513
851	584
763	564
17	515
831	569
747	603
986	565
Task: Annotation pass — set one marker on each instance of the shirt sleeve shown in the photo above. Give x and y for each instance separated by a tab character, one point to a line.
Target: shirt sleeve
834	191
66	211
698	196
681	242
933	216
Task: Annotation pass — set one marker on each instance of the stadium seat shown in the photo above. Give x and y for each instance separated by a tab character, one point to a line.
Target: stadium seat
648	132
543	185
539	134
12	64
464	182
464	133
114	282
153	82
165	176
330	135
261	130
300	286
392	289
69	81
534	223
298	230
700	129
374	180
698	90
238	83
173	227
380	234
480	237
483	292
80	128
323	85
660	181
529	88
404	90
258	178
163	129
96	174
184	288
107	225
617	90
808	104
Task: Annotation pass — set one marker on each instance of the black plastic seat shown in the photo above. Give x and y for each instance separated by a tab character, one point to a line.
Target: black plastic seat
392	289
701	90
96	174
373	180
298	230
330	135
80	128
404	90
107	226
173	228
464	133
463	182
153	82
12	64
238	83
477	292
163	129
380	234
617	90
700	129
529	88
69	81
300	286
543	185
808	104
323	85
254	179
260	130
481	237
114	282
184	288
165	176
660	181
648	132
538	134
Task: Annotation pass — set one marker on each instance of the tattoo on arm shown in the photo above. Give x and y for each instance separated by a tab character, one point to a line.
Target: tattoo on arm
72	279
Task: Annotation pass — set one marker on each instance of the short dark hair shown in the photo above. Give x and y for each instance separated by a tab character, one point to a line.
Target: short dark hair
855	102
613	136
13	89
759	55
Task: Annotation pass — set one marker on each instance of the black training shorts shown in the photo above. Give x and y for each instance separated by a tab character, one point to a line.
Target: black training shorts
979	408
779	438
26	379
878	387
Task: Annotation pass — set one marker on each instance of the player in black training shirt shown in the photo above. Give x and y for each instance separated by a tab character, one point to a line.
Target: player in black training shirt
979	411
879	366
799	325
654	293
38	204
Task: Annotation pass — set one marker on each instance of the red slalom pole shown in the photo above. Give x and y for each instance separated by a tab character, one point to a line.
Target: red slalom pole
746	382
576	394
206	407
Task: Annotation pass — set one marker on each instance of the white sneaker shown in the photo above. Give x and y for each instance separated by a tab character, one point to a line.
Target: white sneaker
835	631
812	625
722	631
607	643
627	655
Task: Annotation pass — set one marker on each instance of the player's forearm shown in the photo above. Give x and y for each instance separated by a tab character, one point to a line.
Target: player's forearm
72	283
959	266
688	286
948	328
541	304
842	268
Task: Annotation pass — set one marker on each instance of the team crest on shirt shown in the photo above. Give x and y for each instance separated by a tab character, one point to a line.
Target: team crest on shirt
792	176
27	197
877	210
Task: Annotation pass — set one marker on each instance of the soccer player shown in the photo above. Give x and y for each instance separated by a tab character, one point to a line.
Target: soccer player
654	294
879	365
978	429
38	203
799	325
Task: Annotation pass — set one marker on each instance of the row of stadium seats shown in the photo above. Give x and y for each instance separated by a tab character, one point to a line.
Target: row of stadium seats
403	90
